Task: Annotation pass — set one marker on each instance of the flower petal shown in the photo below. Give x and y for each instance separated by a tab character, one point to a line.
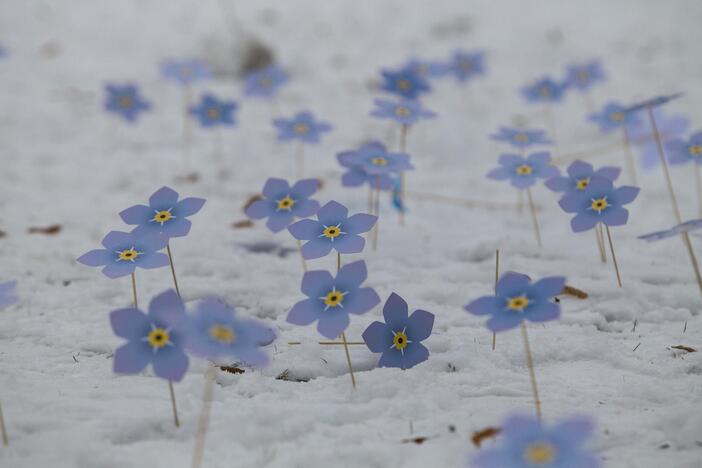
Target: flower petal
548	287
395	312
485	305
362	301
503	320
116	270
275	187
583	222
305	312
259	209
170	364
306	208
510	160
316	248
95	258
419	325
540	159
332	213
378	337
543	312
129	323
571	202
167	307
280	220
558	184
165	196
360	223
616	216
512	283
136	214
316	282
189	206
331	325
115	239
131	358
305	229
414	354
391	358
348	244
351	275
626	194
579	169
153	260
305	188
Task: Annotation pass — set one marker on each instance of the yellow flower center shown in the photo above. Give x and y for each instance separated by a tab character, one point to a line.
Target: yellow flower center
213	113
332	232
599	204
518	303
582	183
545	92
521	137
265	82
162	216
222	333
466	65
125	102
540	453
401	111
285	203
400	341
301	128
524	169
404	85
158	338
583	76
617	116
379	161
333	298
695	150
128	255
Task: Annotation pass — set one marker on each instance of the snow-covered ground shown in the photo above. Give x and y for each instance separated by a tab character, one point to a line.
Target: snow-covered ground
65	161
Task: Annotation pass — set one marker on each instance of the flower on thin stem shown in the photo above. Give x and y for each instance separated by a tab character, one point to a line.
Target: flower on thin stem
583	76
653	102
614	116
125	101
356	175
165	214
523	172
124	252
517	299
687	226
185	72
302	127
375	160
599	202
681	151
216	332
428	69
579	175
404	111
330	299
334	229
405	82
521	138
467	65
281	204
670	127
265	82
527	443
155	338
399	338
213	112
544	90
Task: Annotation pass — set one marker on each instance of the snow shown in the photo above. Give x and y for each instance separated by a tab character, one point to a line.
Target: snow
65	161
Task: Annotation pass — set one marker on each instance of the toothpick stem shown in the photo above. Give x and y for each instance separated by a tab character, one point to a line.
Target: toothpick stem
614	256
532	375
534	220
173	404
204	420
173	273
134	291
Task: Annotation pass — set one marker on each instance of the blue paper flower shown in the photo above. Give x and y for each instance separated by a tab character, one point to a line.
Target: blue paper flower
524	172
521	138
214	332
428	69
185	72
670	127
516	299
653	102
124	252
356	175
583	76
466	65
330	299
404	82
404	111
544	90
681	151
614	116
125	101
687	226
527	443
212	112
303	127
376	161
265	82
281	204
335	229
579	175
156	338
599	202
7	293
164	214
399	338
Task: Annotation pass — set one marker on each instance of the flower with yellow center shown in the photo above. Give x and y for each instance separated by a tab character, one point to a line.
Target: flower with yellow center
545	92
466	65
213	113
400	340
158	338
540	453
583	76
162	216
617	116
402	111
222	333
524	170
333	299
332	232
128	255
521	138
599	204
582	183
265	82
285	204
125	102
301	128
379	161
404	85
695	150
518	303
